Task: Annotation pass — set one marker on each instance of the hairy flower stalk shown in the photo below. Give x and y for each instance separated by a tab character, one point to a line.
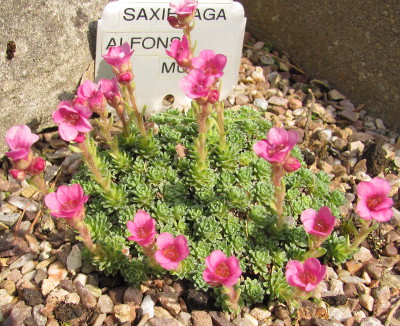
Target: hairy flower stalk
224	271
68	203
373	204
219	107
89	154
276	150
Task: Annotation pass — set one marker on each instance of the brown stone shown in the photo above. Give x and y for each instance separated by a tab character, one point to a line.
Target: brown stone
201	318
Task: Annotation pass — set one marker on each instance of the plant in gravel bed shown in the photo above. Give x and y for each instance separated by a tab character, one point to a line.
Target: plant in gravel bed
201	195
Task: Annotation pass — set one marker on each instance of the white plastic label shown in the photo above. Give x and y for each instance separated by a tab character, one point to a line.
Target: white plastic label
219	26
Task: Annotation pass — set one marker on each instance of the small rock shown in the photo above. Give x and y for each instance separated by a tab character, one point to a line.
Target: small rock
366	301
356	148
278	101
379	124
24	203
5	297
56	296
48	286
361	166
201	318
340	143
162	322
196	300
363	255
9	219
335	95
374	270
40	320
371	321
390	250
105	304
253	321
281	312
241	99
133	295
353	266
220	319
242	322
32	297
170	304
359	316
100	320
96	291
349	115
350	290
87	297
148	306
260	314
340	314
81	278
57	272
20	262
18	314
9	286
74	259
28	267
261	103
184	318
336	300
125	313
117	294
352	279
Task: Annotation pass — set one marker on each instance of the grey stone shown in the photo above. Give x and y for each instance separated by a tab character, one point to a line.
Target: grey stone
24	203
366	45
371	321
9	219
54	46
74	259
105	304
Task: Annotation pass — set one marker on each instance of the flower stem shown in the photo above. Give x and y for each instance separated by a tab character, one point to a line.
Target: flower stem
89	158
105	125
232	300
219	107
279	193
202	139
363	233
138	116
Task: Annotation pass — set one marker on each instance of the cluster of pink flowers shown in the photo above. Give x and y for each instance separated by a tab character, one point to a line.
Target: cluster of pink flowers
203	71
20	139
276	148
171	250
119	57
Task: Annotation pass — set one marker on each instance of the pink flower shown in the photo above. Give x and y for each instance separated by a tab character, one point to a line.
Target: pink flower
94	96
125	78
221	270
320	224
37	166
196	84
119	57
291	164
67	202
184	9
19	139
171	250
174	22
305	276
276	148
143	229
373	200
110	90
211	63
72	120
180	51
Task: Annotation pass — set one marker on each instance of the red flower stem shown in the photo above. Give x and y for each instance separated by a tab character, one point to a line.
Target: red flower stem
202	140
88	158
138	116
277	174
149	252
219	107
121	114
233	300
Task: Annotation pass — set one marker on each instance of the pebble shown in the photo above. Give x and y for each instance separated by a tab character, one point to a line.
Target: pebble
20	262
148	306
335	95
249	317
260	314
24	203
261	103
170	304
87	297
371	321
201	318
105	304
9	219
57	295
39	318
242	322
278	101
74	259
367	301
133	295
29	267
184	318
125	313
352	279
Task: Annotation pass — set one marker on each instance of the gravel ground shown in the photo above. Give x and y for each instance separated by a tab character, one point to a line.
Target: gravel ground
44	281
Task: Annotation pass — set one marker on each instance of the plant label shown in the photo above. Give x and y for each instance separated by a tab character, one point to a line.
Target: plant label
219	26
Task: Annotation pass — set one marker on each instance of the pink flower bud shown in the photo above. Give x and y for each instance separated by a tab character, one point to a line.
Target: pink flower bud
80	138
94	96
19	175
67	202
110	91
319	224
37	166
125	78
143	229
291	164
305	276
373	200
174	22
221	270
276	148
171	250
